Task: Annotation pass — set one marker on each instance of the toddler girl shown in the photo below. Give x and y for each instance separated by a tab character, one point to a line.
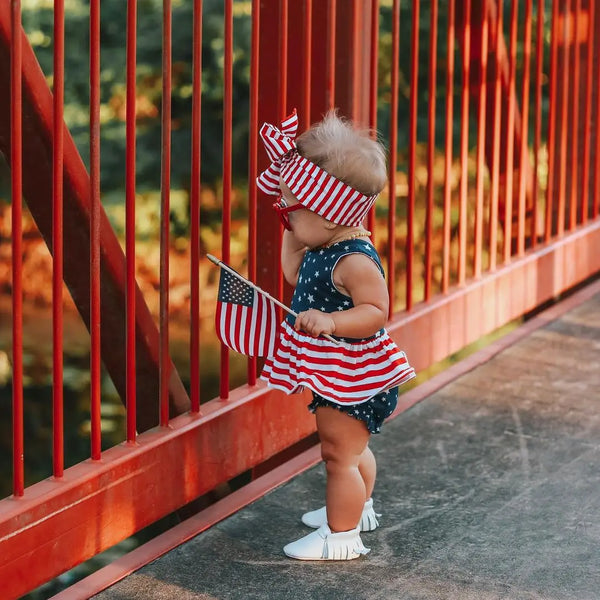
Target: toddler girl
327	180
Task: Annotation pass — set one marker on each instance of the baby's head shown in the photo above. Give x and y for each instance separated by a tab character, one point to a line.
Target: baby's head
345	152
334	170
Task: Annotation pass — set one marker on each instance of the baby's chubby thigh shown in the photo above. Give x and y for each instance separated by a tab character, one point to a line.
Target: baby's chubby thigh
343	438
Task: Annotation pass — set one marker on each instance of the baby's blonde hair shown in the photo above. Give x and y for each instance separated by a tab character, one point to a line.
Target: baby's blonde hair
345	152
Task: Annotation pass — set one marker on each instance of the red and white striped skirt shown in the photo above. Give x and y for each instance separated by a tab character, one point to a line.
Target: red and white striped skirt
348	373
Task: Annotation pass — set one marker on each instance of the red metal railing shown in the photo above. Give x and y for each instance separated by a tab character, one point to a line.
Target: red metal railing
470	246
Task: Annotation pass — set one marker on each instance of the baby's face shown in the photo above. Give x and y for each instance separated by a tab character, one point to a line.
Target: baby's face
308	227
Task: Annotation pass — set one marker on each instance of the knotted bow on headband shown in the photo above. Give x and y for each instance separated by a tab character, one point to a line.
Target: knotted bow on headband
313	187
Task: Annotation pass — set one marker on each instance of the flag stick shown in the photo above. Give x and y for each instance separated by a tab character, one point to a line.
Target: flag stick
221	264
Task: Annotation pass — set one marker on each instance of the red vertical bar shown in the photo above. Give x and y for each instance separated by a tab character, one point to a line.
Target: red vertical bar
524	128
585	196
130	154
510	143
464	144
283	50
227	121
552	141
58	87
165	191
331	20
481	143
562	173
195	209
283	111
16	144
373	88
539	65
253	162
574	142
412	151
448	145
307	60
496	136
433	32
596	189
393	155
95	367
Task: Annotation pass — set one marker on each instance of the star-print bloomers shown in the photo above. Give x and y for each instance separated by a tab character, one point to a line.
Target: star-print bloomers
347	373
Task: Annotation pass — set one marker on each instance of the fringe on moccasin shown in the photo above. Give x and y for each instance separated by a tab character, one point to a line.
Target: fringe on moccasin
368	520
344	545
322	544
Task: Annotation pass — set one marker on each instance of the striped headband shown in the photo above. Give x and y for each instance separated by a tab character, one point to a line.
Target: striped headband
314	188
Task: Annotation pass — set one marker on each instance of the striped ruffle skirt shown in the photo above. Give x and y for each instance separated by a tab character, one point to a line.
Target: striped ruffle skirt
348	373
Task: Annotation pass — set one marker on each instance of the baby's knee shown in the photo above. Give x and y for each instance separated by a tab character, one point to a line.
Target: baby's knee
336	456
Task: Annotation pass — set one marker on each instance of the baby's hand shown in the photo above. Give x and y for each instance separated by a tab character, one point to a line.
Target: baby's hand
315	322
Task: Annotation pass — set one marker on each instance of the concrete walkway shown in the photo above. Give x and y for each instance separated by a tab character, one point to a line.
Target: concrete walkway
489	489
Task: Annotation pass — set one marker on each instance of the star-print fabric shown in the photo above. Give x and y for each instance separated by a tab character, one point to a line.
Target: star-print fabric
373	412
347	373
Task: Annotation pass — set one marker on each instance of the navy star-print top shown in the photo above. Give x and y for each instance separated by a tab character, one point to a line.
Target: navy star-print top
315	287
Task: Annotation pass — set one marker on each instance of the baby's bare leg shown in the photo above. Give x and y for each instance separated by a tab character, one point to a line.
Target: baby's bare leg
368	470
343	443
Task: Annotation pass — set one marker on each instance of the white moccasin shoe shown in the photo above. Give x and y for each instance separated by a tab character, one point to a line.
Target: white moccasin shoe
368	519
322	544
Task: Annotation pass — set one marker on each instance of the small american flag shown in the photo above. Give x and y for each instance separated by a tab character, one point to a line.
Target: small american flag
246	320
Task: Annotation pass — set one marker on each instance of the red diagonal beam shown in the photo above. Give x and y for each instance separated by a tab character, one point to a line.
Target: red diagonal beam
37	189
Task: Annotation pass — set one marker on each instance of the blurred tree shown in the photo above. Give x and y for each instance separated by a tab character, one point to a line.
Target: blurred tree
38	22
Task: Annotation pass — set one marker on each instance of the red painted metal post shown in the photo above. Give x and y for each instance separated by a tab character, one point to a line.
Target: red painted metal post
464	143
253	162
433	32
393	156
448	145
269	70
130	181
552	116
95	357
283	78
165	192
596	188
564	116
282	111
539	67
481	133
574	142
331	54
227	129
589	86
58	87
564	124
306	60
496	136
373	90
195	208
16	141
524	129
412	150
510	146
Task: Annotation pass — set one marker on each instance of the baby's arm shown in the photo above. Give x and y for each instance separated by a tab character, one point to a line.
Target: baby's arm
357	276
292	254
